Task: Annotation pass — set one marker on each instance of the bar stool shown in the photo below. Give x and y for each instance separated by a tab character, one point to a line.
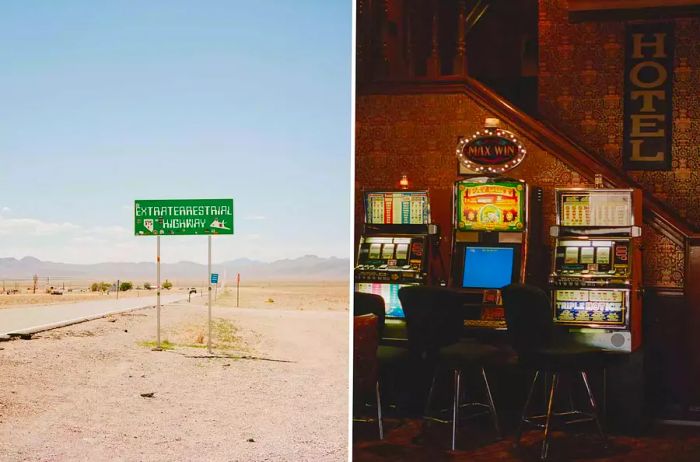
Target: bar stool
434	325
364	368
393	359
531	332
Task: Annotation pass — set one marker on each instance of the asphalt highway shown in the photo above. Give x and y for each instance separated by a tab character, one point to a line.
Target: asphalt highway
38	317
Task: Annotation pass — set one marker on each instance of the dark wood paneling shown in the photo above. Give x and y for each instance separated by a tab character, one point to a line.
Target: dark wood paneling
691	321
666	350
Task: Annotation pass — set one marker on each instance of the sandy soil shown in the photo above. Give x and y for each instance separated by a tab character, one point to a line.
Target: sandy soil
275	389
292	295
332	295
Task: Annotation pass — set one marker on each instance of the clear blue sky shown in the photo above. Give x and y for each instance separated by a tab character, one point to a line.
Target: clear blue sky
104	102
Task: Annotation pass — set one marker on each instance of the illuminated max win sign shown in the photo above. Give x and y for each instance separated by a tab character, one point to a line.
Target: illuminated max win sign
183	217
491	151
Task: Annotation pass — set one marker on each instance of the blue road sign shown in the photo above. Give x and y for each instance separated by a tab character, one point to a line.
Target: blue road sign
214	278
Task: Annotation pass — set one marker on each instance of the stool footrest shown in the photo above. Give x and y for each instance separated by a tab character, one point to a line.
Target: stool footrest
461	417
587	417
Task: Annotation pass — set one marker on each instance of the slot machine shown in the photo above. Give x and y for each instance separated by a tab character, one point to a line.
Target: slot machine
596	270
491	231
395	249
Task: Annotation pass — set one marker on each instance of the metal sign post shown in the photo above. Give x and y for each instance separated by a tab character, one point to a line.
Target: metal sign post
209	286
157	348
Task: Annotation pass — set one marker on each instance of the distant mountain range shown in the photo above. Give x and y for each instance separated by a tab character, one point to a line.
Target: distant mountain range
308	267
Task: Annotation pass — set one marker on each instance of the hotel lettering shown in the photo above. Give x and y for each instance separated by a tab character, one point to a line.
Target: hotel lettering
648	93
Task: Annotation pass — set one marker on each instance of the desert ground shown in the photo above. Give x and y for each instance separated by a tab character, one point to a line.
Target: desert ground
259	294
275	388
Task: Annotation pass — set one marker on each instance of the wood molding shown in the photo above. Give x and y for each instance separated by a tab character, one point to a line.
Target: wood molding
663	13
665	291
597	5
547	137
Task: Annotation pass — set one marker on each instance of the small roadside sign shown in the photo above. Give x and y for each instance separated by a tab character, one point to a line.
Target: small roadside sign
214	278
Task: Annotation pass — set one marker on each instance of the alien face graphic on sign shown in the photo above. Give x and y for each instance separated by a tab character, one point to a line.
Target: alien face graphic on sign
148	224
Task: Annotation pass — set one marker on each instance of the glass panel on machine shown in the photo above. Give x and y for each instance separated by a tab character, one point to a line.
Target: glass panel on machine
390	294
602	255
397	207
596	208
401	251
375	251
606	307
490	207
379	240
587	257
387	251
571	255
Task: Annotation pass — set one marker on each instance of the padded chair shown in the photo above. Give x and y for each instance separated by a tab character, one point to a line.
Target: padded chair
364	303
393	359
365	365
434	325
532	335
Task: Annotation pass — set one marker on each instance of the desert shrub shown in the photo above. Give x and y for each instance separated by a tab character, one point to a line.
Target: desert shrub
126	285
147	285
100	286
167	285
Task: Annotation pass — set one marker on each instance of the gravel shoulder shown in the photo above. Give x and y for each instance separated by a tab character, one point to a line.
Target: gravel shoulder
276	388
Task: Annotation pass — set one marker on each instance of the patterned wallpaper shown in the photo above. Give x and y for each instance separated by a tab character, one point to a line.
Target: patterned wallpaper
581	87
416	135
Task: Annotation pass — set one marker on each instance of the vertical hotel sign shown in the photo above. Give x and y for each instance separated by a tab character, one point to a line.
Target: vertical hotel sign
647	135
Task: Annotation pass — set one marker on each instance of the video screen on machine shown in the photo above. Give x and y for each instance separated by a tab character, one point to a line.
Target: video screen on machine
390	294
487	267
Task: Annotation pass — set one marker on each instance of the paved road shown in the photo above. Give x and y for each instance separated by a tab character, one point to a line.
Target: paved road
31	316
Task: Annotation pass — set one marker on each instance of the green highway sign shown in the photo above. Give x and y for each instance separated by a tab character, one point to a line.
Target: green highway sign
180	217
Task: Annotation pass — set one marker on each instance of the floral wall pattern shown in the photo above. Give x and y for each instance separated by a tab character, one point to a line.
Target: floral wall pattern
581	73
416	135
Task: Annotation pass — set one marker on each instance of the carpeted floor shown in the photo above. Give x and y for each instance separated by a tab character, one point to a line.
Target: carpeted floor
409	440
